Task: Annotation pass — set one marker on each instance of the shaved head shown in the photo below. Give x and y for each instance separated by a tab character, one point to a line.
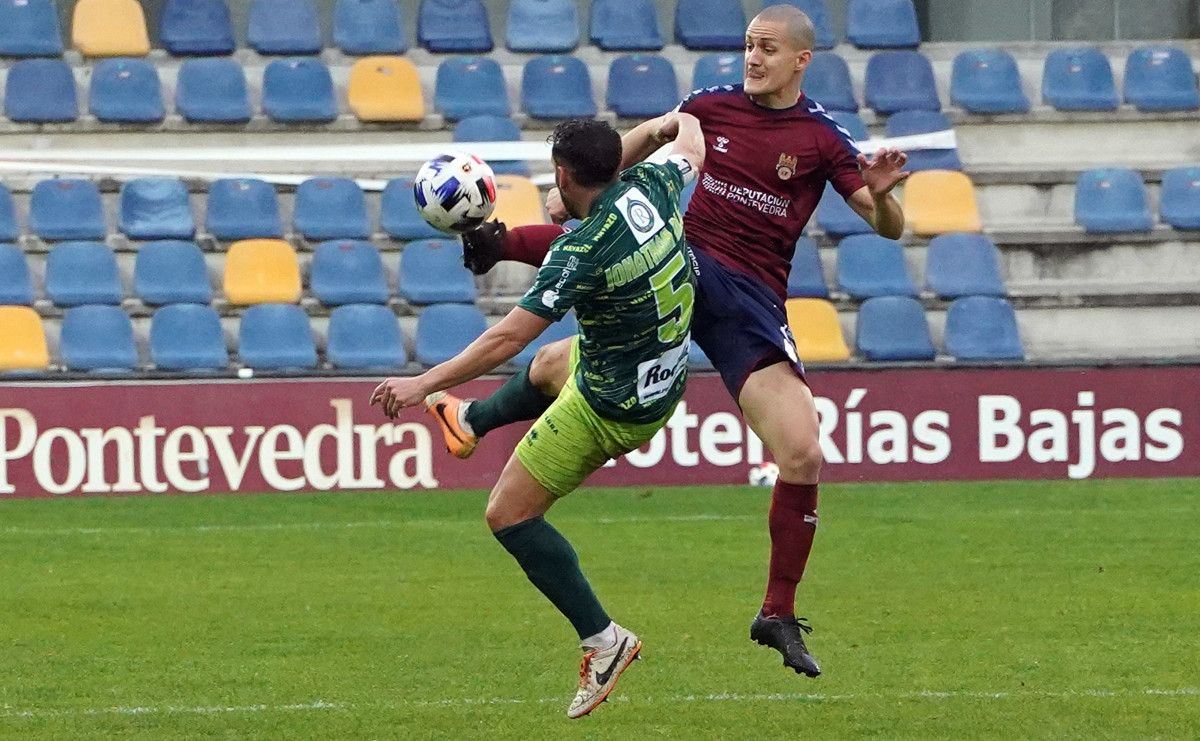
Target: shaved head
798	27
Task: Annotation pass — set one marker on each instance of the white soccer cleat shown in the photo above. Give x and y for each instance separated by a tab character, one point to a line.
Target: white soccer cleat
600	670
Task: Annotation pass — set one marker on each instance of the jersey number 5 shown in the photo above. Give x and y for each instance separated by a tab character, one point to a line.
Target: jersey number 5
674	302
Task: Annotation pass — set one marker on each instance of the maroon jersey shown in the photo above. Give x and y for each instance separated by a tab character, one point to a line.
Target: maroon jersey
764	172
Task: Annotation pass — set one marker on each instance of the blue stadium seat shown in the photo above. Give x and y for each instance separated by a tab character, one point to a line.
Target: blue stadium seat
40	91
836	218
901	81
818	12
156	208
9	229
298	90
276	337
284	27
369	27
82	273
625	25
879	24
432	272
827	81
557	87
16	287
851	123
365	336
331	208
454	26
963	265
893	328
443	330
983	328
1180	198
348	271
869	265
807	277
97	338
907	123
126	91
29	28
560	330
187	337
717	69
492	129
710	24
470	86
242	208
212	91
987	81
542	26
171	272
1160	78
1112	200
1079	80
196	27
641	86
685	196
66	208
697	359
398	213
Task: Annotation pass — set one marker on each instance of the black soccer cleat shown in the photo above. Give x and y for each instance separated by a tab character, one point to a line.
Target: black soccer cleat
785	635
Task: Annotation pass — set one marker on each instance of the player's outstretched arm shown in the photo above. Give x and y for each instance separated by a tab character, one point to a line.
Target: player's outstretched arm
689	140
645	139
875	203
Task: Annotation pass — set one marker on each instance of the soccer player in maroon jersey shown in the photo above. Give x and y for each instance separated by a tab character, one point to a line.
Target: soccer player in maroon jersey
770	151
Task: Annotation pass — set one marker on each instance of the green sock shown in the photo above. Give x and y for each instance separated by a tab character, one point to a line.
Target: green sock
551	564
518	399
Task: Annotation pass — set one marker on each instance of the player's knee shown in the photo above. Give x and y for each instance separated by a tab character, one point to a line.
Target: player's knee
548	367
800	460
497	517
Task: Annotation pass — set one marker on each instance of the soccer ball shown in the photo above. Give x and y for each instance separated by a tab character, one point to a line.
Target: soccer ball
764	475
455	192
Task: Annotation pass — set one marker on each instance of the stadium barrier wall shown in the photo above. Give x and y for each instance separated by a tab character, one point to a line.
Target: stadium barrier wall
215	436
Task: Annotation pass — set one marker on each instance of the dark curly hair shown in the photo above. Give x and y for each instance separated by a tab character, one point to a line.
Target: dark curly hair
589	149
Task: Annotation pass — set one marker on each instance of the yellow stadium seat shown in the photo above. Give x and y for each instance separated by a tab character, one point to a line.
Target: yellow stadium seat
518	202
22	341
814	323
262	271
110	28
940	201
385	89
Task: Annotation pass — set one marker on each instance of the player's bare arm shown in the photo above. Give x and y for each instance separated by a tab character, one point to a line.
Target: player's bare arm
875	202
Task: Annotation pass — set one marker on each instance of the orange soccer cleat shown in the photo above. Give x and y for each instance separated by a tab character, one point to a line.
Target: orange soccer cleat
447	409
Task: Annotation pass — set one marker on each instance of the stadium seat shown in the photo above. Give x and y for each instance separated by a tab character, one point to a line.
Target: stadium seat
698	360
443	330
284	27
262	271
907	123
369	27
893	328
40	91
963	265
126	91
685	196
331	208
987	81
940	201
869	265
365	336
171	272
710	24
542	26
187	337
818	333
66	208
642	86
1112	200
518	202
454	26
212	91
818	12
16	287
22	340
298	90
156	208
625	25
901	81
827	81
492	129
82	273
385	89
878	24
717	69
836	218
242	208
276	337
1160	78
983	328
347	271
29	28
807	276
432	272
97	338
196	27
1180	197
398	213
9	229
560	330
853	125
557	87
1079	80
110	28
470	86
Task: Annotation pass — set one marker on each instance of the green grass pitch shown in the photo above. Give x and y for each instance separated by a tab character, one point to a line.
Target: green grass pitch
941	610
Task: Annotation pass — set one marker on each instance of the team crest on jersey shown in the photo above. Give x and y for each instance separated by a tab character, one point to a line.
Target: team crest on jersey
786	167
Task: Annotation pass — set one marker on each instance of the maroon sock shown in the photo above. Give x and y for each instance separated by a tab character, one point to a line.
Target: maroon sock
793	523
529	244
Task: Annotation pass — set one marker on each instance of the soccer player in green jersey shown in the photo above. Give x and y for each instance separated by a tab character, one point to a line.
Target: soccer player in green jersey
630	278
